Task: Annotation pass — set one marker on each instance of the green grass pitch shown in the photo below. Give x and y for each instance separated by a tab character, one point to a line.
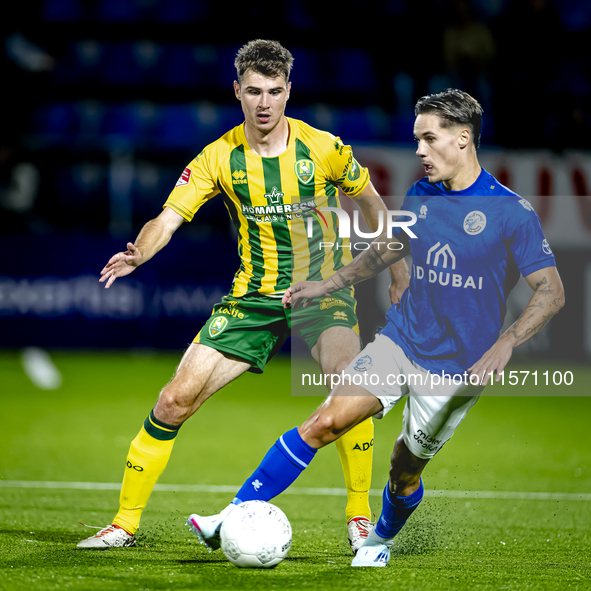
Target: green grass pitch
81	432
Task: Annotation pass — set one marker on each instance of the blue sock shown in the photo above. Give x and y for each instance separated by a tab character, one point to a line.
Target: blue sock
396	510
284	462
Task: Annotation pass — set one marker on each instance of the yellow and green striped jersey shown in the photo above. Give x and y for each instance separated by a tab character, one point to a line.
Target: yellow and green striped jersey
269	200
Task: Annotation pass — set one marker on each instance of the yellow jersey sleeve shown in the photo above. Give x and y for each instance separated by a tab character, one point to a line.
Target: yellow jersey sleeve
349	176
196	185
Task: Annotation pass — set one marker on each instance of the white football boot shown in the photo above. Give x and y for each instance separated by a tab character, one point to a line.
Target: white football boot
374	551
111	536
357	530
207	527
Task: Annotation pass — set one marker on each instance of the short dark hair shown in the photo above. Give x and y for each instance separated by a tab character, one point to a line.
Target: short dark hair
265	57
453	106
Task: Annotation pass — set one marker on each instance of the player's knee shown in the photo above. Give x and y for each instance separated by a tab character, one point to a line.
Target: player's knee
327	428
176	404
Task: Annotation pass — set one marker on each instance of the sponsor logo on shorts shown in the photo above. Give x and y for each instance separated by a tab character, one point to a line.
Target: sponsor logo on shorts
363	363
426	441
327	303
474	223
184	178
217	326
231	311
339	315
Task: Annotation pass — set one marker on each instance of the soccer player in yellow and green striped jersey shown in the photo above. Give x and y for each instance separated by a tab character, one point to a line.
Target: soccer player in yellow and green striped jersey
271	171
268	195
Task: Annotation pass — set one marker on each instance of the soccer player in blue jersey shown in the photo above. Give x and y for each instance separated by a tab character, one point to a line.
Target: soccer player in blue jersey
442	341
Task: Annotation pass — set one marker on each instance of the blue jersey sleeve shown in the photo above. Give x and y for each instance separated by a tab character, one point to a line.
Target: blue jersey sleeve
407	204
527	242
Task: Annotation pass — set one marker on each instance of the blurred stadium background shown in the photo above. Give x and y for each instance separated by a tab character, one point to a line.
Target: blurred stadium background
105	101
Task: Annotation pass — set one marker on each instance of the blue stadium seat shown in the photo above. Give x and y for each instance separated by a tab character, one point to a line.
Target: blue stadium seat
321	116
206	62
129	123
354	125
118	11
61	11
81	189
82	62
90	113
352	70
178	66
301	113
402	127
119	66
147	56
176	127
57	121
225	73
179	11
306	73
151	186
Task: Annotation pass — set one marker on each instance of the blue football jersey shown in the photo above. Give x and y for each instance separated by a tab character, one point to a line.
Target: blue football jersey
471	247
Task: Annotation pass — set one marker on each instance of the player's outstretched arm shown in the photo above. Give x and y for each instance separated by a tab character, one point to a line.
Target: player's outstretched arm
547	300
379	256
153	237
370	203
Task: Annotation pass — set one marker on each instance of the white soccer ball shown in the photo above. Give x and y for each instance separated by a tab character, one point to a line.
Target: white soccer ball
256	535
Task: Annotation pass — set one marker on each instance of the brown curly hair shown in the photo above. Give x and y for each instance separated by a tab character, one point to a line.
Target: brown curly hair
265	57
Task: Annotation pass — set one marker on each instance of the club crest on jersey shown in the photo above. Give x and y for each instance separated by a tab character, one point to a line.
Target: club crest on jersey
546	247
304	170
354	171
423	212
363	363
217	326
184	178
474	223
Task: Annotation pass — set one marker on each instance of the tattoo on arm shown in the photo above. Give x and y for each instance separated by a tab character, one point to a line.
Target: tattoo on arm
541	308
374	260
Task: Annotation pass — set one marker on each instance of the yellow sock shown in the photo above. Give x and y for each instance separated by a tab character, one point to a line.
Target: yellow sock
146	460
356	453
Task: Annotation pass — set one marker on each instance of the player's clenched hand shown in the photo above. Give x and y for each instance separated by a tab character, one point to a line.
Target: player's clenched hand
121	264
493	361
302	293
396	291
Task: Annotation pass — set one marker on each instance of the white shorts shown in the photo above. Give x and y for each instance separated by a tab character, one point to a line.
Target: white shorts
435	405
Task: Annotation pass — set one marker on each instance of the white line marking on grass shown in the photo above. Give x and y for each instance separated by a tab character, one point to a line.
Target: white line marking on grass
295	490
